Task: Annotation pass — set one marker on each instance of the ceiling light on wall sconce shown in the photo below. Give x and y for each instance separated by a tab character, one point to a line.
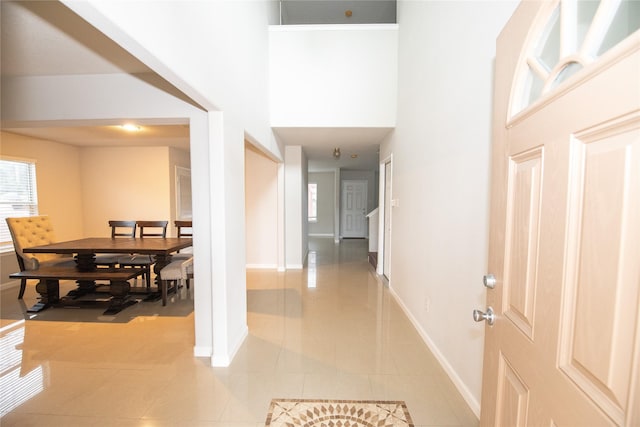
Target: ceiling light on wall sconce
131	127
336	153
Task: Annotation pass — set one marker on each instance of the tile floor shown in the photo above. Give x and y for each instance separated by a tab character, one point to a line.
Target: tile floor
330	331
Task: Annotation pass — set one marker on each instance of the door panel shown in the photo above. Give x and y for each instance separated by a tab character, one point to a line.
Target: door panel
523	224
603	272
513	396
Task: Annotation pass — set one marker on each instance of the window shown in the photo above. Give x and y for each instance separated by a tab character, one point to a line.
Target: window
313	202
571	36
18	195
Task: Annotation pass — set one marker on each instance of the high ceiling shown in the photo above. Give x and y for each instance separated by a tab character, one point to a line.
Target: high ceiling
46	38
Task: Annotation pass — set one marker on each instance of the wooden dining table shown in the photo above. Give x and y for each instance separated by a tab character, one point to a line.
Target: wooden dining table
85	250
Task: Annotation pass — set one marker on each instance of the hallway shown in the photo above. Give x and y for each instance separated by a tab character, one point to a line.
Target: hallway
330	331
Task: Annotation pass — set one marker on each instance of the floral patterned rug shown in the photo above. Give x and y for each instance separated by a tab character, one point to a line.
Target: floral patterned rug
337	413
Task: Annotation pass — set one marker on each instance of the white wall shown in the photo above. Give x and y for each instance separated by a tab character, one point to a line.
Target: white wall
261	207
324	226
329	75
58	179
214	51
295	182
59	194
124	183
441	151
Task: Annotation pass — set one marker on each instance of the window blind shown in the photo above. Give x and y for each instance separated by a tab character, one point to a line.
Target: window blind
18	195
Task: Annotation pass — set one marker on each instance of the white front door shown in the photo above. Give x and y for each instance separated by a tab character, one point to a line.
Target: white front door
565	219
354	208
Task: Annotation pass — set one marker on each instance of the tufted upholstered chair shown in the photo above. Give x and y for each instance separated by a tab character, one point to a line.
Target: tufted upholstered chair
32	231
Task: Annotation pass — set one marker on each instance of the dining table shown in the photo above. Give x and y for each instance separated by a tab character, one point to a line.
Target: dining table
85	250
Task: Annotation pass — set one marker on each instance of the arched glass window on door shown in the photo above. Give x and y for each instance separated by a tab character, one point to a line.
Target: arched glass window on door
573	34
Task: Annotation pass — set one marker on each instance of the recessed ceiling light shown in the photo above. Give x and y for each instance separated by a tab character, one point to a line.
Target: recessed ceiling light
354	156
131	127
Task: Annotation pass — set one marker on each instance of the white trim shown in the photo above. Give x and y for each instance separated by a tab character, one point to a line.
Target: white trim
262	266
223	361
295	267
202	351
18	159
467	395
10	284
332	27
320	234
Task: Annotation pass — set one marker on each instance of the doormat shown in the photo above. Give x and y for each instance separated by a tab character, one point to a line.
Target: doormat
334	413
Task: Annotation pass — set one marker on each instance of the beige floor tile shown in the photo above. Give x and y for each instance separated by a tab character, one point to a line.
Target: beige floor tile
330	331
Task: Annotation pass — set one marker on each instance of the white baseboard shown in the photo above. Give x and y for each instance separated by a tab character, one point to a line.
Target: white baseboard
473	403
295	266
262	266
202	351
10	284
224	360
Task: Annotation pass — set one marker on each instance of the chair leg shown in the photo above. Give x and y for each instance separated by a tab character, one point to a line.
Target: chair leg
148	274
164	284
23	286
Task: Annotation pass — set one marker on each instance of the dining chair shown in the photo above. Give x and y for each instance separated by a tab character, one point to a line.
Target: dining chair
32	231
184	229
175	272
153	229
118	229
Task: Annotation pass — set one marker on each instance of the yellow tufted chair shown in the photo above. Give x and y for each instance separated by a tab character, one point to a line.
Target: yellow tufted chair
32	231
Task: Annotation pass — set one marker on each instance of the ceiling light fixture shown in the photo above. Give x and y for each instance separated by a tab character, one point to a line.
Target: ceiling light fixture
131	127
336	153
354	156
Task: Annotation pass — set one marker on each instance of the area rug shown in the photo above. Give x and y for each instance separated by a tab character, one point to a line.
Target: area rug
337	413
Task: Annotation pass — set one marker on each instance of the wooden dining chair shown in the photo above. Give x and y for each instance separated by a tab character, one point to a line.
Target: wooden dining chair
153	228
118	229
32	231
148	229
184	229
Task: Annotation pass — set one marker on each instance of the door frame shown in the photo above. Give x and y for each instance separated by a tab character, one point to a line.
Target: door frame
384	211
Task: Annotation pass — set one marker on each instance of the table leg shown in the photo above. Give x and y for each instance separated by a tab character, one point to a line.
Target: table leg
84	262
49	290
119	291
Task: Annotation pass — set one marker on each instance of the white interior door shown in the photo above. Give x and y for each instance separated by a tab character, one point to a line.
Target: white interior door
565	219
354	208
